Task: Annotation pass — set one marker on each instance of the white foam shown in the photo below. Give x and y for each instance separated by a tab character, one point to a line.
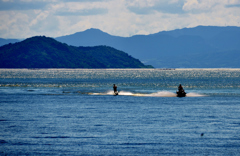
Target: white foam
110	93
163	94
126	93
157	94
194	95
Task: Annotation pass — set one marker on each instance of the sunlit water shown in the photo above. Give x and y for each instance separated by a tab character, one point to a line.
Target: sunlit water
74	112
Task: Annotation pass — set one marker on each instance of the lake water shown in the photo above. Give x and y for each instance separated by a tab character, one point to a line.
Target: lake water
74	112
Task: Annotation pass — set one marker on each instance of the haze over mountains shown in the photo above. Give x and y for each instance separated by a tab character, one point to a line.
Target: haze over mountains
199	47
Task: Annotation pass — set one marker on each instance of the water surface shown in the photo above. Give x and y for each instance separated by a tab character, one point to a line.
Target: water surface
74	112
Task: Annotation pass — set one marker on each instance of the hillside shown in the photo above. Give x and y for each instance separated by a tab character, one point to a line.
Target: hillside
7	41
199	47
45	52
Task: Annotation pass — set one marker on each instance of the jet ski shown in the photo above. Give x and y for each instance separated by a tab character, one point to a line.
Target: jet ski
181	93
115	93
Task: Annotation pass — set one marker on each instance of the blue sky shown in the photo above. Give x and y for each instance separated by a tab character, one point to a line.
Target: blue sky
26	18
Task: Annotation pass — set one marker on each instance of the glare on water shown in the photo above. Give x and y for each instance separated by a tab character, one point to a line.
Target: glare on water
74	112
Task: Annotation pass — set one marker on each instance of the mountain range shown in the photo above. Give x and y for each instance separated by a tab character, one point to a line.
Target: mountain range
45	52
198	47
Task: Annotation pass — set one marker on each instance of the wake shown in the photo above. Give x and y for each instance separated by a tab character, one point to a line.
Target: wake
194	95
157	94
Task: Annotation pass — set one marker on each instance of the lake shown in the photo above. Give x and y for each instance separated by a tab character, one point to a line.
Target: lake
74	112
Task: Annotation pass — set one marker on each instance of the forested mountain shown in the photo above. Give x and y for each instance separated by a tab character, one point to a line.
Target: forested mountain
45	52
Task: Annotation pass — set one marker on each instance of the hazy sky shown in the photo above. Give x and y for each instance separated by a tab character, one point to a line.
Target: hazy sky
26	18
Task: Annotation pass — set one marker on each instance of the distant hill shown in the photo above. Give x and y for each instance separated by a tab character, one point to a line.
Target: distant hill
199	47
7	41
45	52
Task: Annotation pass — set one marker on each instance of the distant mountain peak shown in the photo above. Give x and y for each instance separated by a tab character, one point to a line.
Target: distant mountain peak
92	31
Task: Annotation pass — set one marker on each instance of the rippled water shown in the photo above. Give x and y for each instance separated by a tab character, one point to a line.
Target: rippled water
74	112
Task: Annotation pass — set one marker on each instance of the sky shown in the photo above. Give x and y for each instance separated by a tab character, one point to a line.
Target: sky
53	18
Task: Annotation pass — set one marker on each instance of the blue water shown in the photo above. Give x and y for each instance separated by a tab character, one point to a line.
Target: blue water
74	112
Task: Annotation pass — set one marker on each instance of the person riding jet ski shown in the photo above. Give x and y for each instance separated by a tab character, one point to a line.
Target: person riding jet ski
115	89
181	92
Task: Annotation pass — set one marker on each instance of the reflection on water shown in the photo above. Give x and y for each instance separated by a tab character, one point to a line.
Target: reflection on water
135	82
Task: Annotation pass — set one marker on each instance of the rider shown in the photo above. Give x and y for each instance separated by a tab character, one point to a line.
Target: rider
114	88
180	88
